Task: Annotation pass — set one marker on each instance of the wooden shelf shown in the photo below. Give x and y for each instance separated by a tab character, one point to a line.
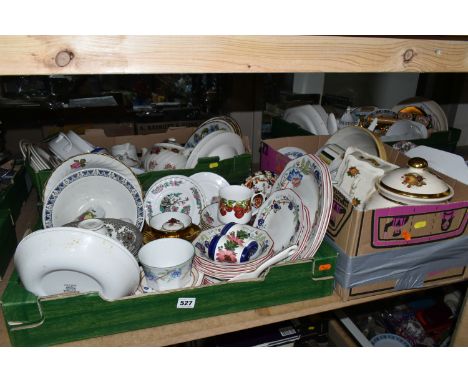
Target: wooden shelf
36	55
23	55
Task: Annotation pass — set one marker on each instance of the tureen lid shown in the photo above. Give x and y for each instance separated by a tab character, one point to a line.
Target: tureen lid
415	182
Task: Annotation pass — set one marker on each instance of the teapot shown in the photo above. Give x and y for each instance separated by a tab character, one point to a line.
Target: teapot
164	156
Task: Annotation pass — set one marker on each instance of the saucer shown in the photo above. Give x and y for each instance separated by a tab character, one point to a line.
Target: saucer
196	279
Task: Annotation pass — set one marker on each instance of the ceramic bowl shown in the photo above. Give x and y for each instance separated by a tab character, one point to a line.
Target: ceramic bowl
171	224
167	263
226	270
234	246
124	232
67	259
88	190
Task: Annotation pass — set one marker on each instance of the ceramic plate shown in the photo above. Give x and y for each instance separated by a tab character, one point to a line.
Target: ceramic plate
210	183
196	279
360	138
282	216
292	152
389	340
125	233
301	118
90	161
209	217
332	126
309	177
208	127
65	259
176	193
317	119
221	144
102	192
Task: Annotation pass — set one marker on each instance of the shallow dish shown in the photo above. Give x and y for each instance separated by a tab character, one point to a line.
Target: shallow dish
210	183
220	143
125	233
176	193
65	259
90	161
86	191
209	126
225	271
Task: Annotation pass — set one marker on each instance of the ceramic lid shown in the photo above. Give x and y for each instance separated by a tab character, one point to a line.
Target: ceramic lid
415	182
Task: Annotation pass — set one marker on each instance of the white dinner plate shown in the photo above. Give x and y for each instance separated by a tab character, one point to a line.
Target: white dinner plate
220	144
175	193
207	128
64	259
282	217
90	161
300	117
210	183
292	152
93	190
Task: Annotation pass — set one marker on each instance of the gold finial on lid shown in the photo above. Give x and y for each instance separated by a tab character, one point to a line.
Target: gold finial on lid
417	162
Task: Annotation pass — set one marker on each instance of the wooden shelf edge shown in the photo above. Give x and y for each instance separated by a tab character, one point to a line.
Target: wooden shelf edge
35	55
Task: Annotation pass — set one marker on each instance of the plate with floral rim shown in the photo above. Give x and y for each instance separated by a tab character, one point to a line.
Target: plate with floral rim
208	127
90	161
196	279
309	177
93	192
175	193
282	216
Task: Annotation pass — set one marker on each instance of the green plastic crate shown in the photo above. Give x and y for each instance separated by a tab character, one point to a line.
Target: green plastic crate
33	321
234	170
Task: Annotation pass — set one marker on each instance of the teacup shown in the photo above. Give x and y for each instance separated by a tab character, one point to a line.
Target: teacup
63	147
167	263
95	225
171	224
235	246
126	153
235	204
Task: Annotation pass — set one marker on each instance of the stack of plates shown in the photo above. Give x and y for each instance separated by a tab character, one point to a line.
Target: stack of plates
311	118
310	179
92	185
425	108
38	158
222	123
226	271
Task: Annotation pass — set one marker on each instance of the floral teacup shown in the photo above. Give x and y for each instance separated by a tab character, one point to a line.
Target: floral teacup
167	263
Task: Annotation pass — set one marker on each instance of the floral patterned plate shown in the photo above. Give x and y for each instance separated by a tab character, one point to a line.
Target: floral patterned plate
227	270
214	124
175	193
88	161
283	217
310	178
196	279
